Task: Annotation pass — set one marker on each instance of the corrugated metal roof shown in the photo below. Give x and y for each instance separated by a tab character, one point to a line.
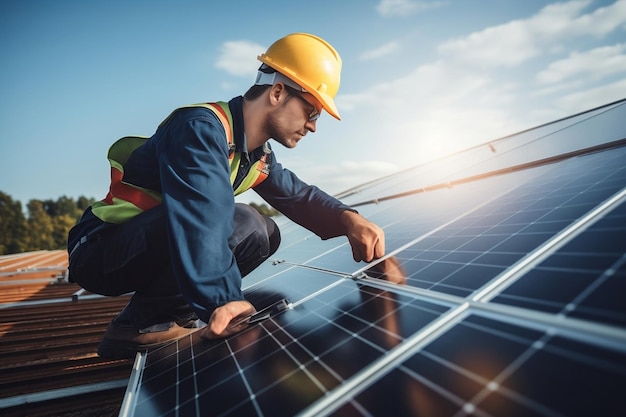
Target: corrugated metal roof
49	332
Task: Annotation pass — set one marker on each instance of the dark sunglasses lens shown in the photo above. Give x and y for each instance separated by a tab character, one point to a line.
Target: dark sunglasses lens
314	116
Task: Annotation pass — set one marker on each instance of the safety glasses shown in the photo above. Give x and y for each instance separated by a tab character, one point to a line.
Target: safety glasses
315	113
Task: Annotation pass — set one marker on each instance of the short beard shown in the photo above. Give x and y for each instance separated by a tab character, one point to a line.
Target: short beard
273	130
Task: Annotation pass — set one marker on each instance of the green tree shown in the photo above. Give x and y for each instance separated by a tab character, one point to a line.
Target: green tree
66	206
12	226
83	203
60	228
46	226
40	226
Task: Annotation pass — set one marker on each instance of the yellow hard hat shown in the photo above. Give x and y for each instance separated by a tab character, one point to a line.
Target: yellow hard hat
310	62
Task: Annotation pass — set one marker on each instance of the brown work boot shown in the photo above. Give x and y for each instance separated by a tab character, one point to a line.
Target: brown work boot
123	341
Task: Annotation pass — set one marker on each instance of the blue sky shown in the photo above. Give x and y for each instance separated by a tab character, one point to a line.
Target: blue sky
420	78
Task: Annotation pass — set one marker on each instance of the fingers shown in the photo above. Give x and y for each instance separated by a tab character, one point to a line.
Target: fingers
379	248
356	253
369	245
228	319
368	249
366	238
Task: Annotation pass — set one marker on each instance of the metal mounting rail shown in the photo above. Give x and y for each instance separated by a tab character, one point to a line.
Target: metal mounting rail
66	299
56	394
513	168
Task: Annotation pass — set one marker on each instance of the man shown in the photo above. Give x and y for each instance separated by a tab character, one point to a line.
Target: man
169	229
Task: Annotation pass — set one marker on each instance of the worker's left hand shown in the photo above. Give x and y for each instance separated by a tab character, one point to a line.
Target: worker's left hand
228	319
366	238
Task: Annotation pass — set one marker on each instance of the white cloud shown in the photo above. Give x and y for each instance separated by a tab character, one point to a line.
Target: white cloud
406	7
517	41
558	88
335	178
505	45
382	51
434	83
437	109
443	107
595	64
600	22
593	97
239	58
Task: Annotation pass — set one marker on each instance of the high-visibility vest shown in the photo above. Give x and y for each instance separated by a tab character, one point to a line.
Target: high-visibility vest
125	200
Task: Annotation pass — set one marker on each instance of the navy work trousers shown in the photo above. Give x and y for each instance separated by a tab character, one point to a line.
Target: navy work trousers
134	257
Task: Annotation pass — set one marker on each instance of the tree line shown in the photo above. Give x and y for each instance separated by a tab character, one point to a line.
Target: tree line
47	222
44	226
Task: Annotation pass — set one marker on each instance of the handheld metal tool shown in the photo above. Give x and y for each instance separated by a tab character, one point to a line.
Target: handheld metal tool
270	311
242	322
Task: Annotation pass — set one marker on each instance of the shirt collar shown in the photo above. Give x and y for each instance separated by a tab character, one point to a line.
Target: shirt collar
236	110
241	145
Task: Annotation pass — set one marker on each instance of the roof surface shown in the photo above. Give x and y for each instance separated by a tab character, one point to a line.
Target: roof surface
49	333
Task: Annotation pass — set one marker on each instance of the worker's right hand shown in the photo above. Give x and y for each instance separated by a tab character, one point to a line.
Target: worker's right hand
228	319
366	238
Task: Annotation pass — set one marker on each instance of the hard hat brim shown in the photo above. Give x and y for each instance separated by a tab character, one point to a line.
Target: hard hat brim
325	99
328	103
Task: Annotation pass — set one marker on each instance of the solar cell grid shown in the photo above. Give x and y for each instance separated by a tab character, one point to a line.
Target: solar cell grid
484	367
412	218
584	279
290	283
300	354
494	236
505	298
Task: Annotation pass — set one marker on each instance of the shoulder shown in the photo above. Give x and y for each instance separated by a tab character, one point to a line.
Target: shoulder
193	112
193	117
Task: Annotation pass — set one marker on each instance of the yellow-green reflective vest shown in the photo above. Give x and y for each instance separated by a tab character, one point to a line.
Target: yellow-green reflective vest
125	200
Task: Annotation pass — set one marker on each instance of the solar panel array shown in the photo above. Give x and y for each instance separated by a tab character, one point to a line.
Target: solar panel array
503	293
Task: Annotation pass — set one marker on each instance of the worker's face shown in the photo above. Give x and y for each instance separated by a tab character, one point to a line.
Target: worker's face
293	118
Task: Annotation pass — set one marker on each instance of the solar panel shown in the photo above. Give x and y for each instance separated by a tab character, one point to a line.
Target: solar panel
501	294
466	253
585	278
486	366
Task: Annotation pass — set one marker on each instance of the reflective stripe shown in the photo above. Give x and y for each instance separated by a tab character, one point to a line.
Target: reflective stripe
225	117
118	212
124	191
125	200
235	158
257	174
81	241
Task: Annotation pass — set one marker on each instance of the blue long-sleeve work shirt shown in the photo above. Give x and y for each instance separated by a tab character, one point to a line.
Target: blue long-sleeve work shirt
187	160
